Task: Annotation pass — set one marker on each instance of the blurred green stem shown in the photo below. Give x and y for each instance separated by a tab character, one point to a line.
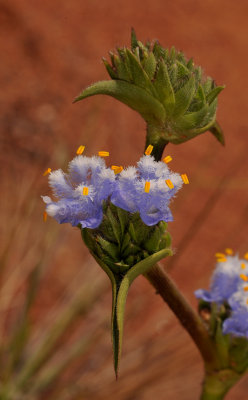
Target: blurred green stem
190	320
155	137
217	384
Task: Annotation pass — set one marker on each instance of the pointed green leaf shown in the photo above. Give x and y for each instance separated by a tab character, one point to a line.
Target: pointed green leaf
217	132
134	41
123	219
133	96
152	244
114	224
182	70
211	96
149	65
183	97
109	69
109	248
140	78
164	88
192	120
141	268
122	68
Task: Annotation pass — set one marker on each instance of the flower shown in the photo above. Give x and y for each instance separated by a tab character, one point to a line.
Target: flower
225	280
80	192
147	190
230	287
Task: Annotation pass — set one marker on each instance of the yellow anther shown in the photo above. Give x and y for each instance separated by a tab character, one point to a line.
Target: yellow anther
80	150
185	179
229	251
117	169
223	259
103	153
220	255
244	277
243	265
167	159
47	171
85	191
147	187
245	289
44	216
247	301
149	150
169	183
246	256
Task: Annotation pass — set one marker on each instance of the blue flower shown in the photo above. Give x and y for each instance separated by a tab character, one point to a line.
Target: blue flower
230	285
225	280
147	189
80	192
237	324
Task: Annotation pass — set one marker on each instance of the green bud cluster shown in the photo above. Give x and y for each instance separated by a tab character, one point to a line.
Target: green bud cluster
168	91
123	240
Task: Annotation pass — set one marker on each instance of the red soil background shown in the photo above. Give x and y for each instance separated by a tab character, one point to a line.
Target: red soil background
50	50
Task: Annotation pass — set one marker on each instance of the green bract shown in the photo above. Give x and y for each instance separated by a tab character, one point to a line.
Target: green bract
167	90
125	248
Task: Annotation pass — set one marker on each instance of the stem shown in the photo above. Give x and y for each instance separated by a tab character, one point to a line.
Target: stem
190	320
155	137
217	384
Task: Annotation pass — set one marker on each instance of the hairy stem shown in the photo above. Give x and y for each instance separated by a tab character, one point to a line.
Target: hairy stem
190	320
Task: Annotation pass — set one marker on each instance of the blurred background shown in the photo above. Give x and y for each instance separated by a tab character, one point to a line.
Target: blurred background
55	302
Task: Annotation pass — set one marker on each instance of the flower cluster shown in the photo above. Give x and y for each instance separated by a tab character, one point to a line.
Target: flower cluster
229	286
81	192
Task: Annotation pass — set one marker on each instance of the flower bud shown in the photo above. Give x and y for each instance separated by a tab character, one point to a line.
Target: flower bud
167	90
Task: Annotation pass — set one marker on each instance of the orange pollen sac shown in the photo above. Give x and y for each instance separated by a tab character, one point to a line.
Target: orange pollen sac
103	153
244	277
44	216
185	179
169	183
245	289
149	150
47	171
246	256
167	159
80	150
220	255
243	265
223	259
229	252
85	191
117	169
247	301
147	187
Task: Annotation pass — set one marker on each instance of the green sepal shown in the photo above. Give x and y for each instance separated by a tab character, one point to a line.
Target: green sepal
183	97
211	96
133	96
218	133
111	72
139	76
149	65
122	68
164	88
109	248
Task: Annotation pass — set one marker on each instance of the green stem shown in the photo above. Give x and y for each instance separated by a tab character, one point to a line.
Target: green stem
155	137
217	384
190	320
